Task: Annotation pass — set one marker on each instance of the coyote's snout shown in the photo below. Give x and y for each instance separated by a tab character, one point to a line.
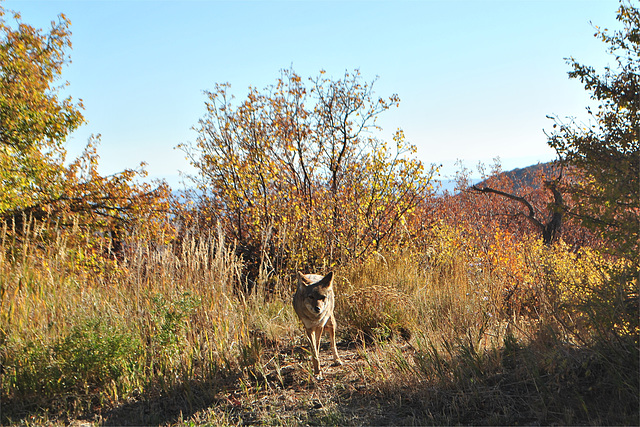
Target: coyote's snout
314	302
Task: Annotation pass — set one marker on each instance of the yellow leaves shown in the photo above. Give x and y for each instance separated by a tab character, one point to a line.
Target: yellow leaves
35	120
293	161
575	276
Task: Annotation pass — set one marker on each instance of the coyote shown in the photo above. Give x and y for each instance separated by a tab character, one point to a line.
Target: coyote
314	302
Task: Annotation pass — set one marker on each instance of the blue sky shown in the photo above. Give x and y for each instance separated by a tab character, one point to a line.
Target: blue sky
476	78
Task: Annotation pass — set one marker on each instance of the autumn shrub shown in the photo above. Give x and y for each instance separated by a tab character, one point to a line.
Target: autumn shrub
584	292
296	175
511	261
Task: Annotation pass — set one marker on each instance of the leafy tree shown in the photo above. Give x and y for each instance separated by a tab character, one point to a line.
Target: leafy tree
296	175
34	123
606	150
34	120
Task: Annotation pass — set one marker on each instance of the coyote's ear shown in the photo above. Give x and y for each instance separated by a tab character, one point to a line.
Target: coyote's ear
302	280
327	281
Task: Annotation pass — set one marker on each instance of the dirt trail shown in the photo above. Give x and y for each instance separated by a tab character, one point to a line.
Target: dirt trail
280	390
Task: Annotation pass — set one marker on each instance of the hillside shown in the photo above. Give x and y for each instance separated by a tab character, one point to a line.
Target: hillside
524	177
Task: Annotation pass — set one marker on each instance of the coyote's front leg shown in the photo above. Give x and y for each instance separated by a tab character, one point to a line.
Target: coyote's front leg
314	340
331	324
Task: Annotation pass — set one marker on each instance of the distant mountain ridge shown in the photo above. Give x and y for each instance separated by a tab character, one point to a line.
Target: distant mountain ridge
523	177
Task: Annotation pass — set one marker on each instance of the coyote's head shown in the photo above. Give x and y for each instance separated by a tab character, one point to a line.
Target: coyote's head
317	291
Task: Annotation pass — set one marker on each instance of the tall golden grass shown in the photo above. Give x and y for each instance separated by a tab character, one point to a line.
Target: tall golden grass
443	326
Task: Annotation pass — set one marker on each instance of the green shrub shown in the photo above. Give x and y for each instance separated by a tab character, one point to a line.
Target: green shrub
170	317
91	356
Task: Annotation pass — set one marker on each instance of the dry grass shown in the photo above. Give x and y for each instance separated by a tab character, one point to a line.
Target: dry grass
165	338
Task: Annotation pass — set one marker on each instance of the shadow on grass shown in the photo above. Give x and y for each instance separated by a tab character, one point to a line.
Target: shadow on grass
515	385
536	384
175	405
